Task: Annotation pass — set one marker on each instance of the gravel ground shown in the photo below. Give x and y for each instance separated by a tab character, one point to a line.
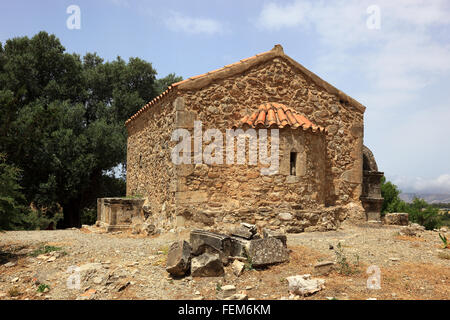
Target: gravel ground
124	266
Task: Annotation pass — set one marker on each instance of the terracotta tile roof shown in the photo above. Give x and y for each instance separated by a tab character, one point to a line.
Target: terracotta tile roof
277	115
202	80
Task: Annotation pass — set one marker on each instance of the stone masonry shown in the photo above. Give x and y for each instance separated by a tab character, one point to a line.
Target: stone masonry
320	178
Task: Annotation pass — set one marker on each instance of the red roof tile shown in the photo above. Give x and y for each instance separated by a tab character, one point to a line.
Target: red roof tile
278	115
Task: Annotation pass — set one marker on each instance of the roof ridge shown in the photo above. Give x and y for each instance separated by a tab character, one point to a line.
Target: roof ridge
201	80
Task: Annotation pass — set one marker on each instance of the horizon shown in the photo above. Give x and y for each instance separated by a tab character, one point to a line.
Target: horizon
392	58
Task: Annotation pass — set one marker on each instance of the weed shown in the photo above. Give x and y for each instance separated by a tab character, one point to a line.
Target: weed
444	255
344	266
218	287
42	287
444	241
14	292
44	250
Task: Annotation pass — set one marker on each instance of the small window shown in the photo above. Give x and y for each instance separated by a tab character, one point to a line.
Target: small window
140	161
293	164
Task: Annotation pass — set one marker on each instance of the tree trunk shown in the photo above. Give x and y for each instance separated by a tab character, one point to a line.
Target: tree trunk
72	216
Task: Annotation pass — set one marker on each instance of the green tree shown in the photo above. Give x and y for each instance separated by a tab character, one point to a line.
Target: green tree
424	214
392	201
12	201
162	84
62	121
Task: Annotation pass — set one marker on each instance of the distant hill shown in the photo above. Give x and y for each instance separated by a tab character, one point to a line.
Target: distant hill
428	197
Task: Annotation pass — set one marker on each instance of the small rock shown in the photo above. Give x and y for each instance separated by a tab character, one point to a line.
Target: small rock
394	259
303	284
238	267
228	291
9	264
97	280
237	296
324	267
51	259
285	216
15	279
242	232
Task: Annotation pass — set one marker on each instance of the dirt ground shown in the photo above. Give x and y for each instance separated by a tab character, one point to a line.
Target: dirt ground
39	265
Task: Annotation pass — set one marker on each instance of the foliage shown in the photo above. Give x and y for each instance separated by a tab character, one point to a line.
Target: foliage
44	250
392	201
42	287
14	292
62	124
12	208
444	240
419	211
162	84
422	213
344	266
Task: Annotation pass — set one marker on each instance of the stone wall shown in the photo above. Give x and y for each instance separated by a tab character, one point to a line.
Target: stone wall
233	193
118	213
150	171
331	165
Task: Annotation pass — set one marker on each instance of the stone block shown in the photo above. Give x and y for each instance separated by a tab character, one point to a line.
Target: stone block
191	196
205	241
178	258
303	284
242	232
396	218
185	119
267	233
324	267
207	265
267	251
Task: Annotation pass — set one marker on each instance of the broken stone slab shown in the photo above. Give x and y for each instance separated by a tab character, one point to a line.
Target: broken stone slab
179	258
239	246
396	218
9	264
237	267
237	296
267	233
242	232
250	227
211	242
228	291
303	285
267	251
324	267
207	265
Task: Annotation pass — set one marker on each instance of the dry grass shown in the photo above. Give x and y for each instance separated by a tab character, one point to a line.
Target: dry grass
409	238
444	255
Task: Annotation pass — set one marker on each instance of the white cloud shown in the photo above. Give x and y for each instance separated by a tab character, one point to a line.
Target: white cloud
440	184
178	22
397	60
276	16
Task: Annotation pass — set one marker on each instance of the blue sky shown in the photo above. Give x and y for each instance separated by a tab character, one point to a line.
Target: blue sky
399	71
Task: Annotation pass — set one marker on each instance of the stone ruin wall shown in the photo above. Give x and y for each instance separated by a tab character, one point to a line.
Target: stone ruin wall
219	194
216	195
149	167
